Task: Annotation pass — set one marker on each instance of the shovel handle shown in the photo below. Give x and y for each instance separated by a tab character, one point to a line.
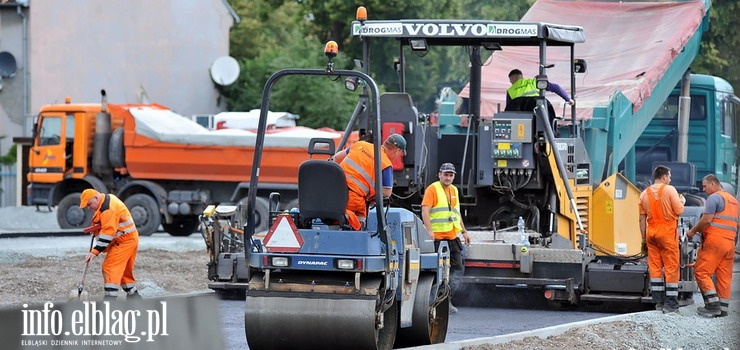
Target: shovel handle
84	273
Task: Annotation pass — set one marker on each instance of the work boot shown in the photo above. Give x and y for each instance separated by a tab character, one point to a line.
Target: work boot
671	305
659	299
710	310
133	296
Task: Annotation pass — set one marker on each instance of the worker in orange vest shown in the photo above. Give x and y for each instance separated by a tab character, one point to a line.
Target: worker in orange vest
660	207
118	238
358	163
718	227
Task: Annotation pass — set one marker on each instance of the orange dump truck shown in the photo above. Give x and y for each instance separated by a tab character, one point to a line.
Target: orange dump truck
165	167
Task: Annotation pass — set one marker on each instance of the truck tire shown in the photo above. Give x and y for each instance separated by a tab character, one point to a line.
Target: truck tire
181	227
116	152
261	213
145	212
69	213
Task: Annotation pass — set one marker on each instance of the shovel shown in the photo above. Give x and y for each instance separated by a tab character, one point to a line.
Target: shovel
80	293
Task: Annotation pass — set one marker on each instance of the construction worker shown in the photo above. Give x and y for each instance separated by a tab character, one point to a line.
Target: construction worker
718	228
521	87
660	207
358	162
117	237
440	212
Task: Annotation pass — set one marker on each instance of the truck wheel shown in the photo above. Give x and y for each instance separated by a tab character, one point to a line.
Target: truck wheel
69	213
145	212
261	214
181	227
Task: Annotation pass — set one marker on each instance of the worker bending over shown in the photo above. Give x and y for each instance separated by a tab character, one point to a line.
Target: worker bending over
358	163
118	238
718	227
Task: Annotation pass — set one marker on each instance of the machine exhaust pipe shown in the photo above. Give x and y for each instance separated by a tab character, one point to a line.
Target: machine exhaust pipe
684	107
100	161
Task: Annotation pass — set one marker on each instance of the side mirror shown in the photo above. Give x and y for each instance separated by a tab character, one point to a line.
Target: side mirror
35	128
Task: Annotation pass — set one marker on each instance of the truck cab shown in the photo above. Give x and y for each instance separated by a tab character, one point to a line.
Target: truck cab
55	156
712	133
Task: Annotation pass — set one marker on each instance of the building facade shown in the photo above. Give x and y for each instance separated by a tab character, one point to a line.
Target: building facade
139	51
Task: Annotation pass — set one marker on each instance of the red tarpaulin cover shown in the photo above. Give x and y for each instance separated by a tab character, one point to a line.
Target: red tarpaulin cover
629	46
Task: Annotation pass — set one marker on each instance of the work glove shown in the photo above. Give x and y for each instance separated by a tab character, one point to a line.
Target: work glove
643	248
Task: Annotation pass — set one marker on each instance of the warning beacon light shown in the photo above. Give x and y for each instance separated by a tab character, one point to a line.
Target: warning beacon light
361	14
330	50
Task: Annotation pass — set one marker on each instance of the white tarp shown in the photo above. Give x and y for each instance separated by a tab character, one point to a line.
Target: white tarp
250	120
167	126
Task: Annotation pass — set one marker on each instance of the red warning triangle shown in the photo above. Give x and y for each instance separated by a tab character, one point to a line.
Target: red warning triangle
283	236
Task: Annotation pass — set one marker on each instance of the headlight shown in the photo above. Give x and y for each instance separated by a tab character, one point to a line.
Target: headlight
279	261
346	264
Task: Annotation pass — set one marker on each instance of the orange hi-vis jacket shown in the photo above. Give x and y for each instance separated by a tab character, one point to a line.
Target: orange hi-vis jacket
115	221
717	253
724	223
359	166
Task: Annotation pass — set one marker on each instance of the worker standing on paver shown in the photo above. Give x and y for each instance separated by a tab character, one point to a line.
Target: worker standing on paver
117	237
660	207
718	227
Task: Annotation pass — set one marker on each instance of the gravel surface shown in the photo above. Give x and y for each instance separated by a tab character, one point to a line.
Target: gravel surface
644	330
49	271
38	269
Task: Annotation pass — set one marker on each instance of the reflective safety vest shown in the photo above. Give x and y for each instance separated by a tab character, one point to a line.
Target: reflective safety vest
443	216
359	167
724	223
523	87
115	221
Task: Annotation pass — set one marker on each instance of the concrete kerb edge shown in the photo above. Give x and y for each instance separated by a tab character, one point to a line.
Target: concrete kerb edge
541	333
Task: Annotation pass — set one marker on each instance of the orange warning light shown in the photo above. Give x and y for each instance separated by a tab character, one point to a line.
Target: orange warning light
361	14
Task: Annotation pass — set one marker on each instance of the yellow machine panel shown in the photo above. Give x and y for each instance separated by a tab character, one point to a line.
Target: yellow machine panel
615	225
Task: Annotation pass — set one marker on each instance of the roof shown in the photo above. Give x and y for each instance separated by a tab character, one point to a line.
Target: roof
629	47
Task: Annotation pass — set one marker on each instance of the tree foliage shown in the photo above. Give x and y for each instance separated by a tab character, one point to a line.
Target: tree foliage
11	157
720	45
277	34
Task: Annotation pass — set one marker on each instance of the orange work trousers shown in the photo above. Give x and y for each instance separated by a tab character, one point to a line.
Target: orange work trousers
357	204
716	257
118	266
663	252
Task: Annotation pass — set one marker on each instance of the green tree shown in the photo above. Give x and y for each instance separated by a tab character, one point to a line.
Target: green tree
277	35
720	45
11	157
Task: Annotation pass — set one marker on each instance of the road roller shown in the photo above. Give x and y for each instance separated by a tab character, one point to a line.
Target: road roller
316	283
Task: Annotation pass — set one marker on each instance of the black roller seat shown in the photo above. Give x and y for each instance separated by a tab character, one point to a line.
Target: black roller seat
322	192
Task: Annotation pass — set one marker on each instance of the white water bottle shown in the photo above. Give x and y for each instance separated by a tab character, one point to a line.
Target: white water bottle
522	233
